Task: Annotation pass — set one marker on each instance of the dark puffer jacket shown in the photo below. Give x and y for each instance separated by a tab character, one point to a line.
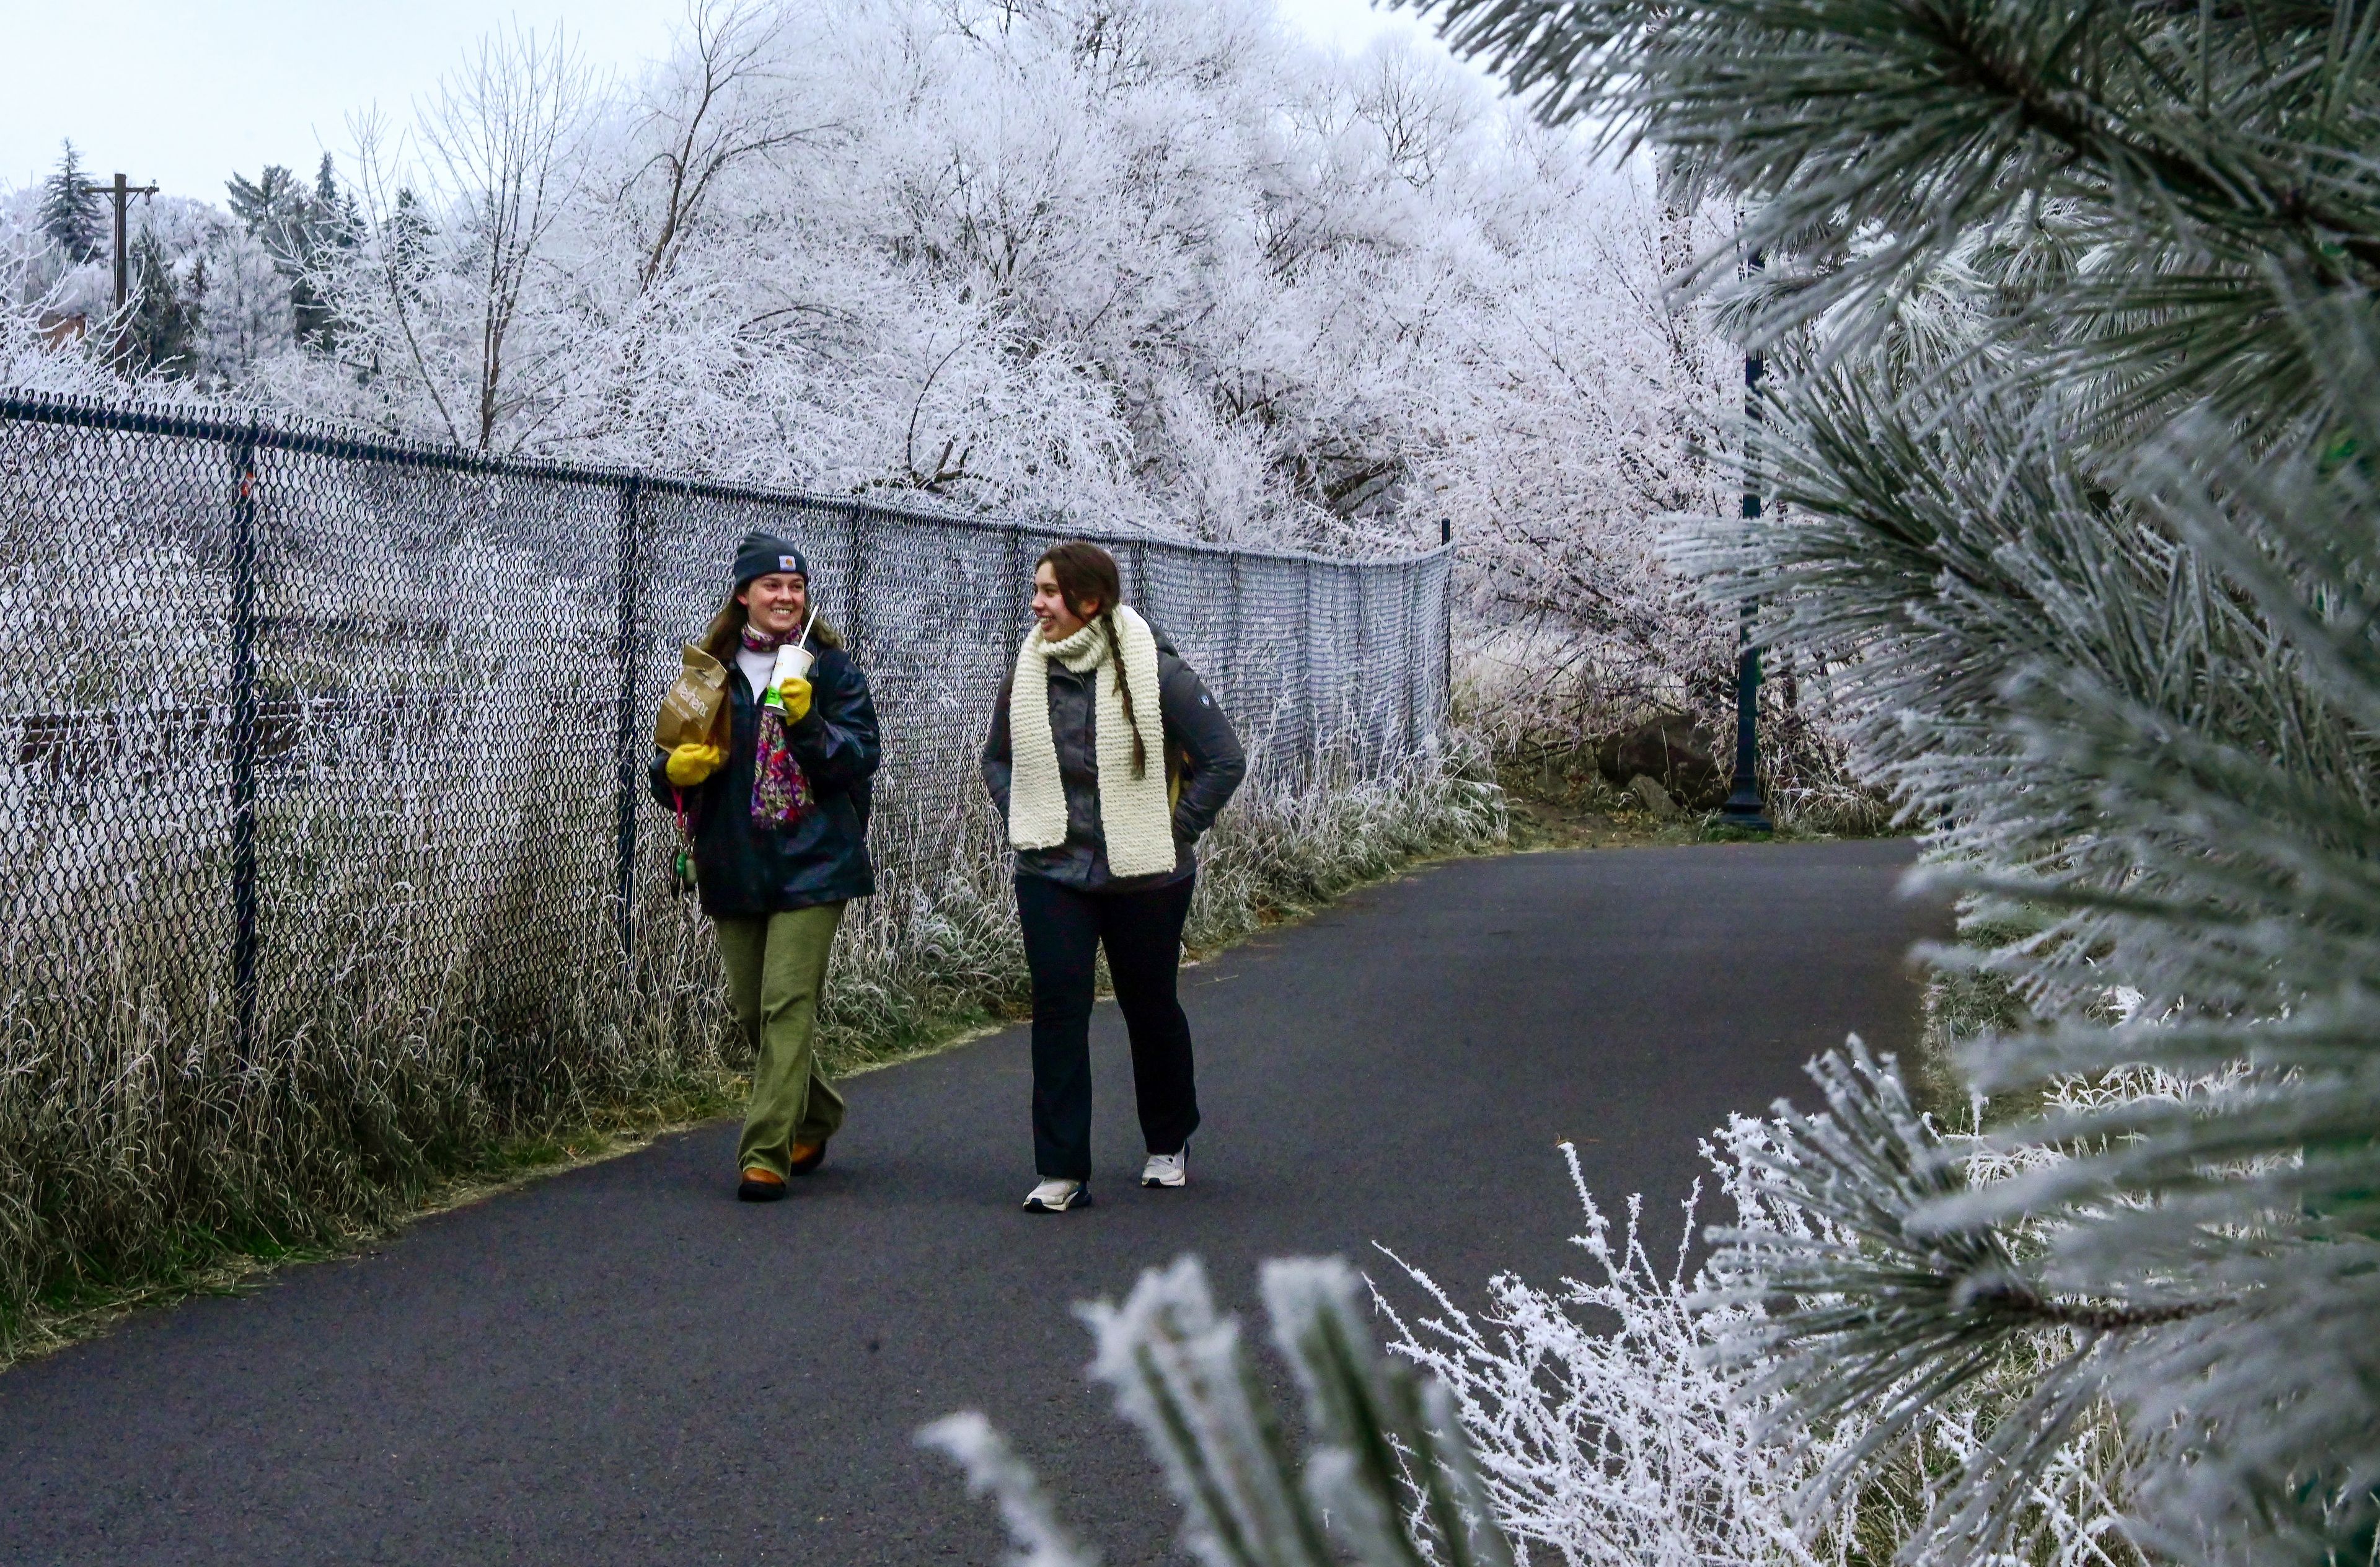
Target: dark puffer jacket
1204	765
746	868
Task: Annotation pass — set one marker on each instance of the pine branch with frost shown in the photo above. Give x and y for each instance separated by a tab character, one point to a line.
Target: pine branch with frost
1180	1372
993	1467
2147	710
1868	1319
1380	1429
2108	575
2187	164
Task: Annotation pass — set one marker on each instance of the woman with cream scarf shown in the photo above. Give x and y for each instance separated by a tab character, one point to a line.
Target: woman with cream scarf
1108	758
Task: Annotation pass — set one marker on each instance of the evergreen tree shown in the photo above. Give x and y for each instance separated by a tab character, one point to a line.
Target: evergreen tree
162	333
272	205
410	232
2076	308
73	218
194	295
244	314
302	229
337	223
333	226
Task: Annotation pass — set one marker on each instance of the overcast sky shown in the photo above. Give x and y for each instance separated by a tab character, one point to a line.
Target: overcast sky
182	93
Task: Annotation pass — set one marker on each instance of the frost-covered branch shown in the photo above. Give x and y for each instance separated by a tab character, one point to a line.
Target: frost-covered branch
2074	317
1380	1434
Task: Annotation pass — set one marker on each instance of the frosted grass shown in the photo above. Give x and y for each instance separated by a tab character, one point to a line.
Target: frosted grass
401	1037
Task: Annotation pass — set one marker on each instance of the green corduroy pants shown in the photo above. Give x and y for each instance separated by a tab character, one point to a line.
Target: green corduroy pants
776	966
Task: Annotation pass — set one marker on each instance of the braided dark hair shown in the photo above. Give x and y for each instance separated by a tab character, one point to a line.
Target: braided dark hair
1088	575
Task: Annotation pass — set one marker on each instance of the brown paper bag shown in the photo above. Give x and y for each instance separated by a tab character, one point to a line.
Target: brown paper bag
695	712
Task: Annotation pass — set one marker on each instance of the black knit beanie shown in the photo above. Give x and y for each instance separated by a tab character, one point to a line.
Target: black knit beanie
763	554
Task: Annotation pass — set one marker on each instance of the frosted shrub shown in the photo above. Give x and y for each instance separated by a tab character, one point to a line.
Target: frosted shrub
1635	1417
1604	1430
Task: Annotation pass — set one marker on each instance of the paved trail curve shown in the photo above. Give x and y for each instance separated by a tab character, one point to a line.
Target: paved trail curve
623	1366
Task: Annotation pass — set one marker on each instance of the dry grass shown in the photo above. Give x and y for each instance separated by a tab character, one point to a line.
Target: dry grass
1559	800
410	1057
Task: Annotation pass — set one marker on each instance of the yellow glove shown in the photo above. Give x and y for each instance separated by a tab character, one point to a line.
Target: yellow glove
689	765
794	696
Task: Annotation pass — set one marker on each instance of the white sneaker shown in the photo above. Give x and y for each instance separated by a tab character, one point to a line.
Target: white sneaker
1057	1196
1167	1169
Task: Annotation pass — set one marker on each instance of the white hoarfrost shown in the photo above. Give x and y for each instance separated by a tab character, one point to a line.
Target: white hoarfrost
1614	1420
1150	263
1606	1428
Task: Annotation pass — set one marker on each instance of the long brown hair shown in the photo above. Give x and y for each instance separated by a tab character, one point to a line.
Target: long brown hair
1088	574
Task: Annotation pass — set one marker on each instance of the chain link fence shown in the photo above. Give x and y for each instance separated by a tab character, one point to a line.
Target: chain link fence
290	719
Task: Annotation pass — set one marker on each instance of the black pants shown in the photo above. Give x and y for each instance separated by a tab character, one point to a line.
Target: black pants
1063	929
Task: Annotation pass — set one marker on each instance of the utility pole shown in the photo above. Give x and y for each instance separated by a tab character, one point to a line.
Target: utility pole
1745	807
123	190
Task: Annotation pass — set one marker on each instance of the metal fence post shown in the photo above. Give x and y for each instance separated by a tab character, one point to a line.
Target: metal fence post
1410	572
243	750
1239	631
1310	759
1019	600
1362	670
1446	620
623	651
857	554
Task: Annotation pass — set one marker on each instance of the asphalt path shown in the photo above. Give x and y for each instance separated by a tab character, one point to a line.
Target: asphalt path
622	1364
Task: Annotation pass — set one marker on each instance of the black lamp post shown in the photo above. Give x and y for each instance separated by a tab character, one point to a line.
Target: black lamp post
1744	807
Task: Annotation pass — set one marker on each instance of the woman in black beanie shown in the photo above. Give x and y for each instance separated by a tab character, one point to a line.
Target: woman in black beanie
779	819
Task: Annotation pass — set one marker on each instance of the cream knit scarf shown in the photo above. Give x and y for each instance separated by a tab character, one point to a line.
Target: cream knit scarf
1136	814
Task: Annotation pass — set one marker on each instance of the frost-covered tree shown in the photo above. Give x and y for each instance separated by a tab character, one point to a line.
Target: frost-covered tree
163	332
304	230
245	321
272	206
1151	261
74	217
1154	263
1615	408
458	297
333	226
2075	453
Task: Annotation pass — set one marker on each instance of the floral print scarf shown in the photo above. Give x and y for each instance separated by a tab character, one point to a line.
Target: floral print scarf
780	796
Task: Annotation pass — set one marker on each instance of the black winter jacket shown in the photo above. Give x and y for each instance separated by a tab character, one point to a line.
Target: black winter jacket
746	868
1203	762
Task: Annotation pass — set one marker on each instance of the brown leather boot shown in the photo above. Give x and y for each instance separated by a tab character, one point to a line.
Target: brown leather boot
760	1185
808	1156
